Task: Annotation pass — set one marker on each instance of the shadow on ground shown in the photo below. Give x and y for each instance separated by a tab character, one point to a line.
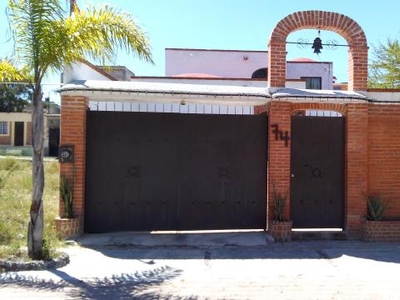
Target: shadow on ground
137	285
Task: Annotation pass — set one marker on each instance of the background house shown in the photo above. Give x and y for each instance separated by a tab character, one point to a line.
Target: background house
244	64
16	132
204	67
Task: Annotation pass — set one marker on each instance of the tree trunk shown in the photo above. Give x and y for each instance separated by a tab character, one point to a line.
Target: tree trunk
35	226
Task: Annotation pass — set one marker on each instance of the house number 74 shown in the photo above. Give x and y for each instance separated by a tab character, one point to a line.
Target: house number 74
280	134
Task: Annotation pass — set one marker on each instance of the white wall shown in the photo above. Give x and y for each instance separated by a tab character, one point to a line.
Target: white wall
222	63
386	95
296	70
227	64
80	71
214	81
239	64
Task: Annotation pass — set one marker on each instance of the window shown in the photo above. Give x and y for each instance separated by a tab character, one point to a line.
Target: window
3	127
260	73
312	83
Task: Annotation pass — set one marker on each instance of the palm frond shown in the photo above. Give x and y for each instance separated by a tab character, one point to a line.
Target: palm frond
100	32
46	37
10	73
31	23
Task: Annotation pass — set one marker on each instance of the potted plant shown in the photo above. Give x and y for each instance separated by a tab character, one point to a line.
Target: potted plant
67	225
279	228
377	228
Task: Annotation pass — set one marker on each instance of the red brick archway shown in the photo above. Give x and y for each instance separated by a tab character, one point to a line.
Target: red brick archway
341	24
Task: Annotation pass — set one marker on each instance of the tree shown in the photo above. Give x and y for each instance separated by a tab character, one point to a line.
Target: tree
47	39
384	70
15	88
14	97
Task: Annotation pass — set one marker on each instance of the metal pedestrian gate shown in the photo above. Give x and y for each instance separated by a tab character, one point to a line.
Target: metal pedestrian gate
317	172
149	171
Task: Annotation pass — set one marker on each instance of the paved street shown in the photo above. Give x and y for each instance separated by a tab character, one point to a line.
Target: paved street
254	269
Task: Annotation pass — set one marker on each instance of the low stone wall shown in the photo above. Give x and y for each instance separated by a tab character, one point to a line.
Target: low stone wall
381	231
67	228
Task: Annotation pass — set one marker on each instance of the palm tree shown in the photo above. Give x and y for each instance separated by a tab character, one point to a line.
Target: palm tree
48	39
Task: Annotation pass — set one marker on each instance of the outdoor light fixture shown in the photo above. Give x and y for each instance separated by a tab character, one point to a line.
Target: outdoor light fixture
317	45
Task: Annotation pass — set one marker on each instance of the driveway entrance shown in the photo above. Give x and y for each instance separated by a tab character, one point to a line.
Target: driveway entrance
149	171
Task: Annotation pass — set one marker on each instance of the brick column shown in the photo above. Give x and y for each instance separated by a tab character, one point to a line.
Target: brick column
73	132
277	62
356	167
358	68
279	154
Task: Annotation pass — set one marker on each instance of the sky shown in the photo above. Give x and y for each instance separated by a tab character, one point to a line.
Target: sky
236	25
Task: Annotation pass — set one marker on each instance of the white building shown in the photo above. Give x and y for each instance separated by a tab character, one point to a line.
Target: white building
215	67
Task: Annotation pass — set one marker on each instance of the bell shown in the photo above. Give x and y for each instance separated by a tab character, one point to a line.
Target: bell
317	45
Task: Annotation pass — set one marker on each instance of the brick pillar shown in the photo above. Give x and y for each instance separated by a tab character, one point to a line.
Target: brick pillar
358	68
279	154
277	62
73	132
356	167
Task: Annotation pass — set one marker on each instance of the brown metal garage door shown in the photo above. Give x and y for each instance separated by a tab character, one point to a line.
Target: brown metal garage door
148	171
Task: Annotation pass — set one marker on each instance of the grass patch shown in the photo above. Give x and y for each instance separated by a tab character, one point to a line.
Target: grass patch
15	200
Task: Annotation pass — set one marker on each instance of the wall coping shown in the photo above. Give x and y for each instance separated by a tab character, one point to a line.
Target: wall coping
97	90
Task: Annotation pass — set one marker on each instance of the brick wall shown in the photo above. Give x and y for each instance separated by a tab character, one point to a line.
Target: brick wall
28	133
384	154
73	132
343	25
5	140
356	167
381	231
279	155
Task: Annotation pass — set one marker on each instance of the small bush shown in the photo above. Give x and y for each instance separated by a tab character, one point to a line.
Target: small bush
67	195
375	207
279	205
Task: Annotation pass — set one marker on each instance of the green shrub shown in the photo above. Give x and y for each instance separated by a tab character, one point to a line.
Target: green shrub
279	205
67	195
375	207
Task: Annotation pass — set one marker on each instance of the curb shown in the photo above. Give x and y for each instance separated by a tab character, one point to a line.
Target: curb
7	265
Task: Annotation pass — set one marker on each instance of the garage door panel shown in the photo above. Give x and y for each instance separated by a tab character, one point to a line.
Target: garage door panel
175	172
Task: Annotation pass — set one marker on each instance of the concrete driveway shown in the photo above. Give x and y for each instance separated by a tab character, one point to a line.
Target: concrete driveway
218	266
